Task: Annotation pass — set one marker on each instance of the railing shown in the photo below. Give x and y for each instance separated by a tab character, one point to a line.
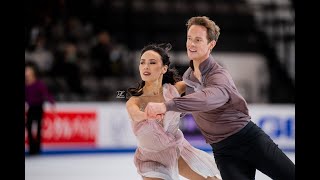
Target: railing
276	18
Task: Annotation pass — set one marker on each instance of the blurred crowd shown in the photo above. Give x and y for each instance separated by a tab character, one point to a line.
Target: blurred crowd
77	61
86	49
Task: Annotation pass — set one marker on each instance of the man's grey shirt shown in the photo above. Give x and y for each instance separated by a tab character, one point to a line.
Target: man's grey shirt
215	103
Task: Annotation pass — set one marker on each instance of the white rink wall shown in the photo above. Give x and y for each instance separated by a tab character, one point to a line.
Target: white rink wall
94	127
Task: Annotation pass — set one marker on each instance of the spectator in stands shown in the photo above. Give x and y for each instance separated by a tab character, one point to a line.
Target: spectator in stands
100	55
67	67
162	151
36	94
221	113
40	54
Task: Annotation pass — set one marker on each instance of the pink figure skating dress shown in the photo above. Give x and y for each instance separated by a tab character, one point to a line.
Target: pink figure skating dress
161	145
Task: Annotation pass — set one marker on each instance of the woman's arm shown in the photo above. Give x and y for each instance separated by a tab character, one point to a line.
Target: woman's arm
134	111
180	86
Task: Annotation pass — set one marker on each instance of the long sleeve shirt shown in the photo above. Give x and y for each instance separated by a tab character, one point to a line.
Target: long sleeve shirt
215	103
37	93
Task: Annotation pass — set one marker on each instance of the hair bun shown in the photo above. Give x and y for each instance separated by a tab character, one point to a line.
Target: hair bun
166	46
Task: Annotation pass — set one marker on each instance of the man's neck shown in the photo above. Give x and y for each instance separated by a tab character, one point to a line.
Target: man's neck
197	74
196	71
196	63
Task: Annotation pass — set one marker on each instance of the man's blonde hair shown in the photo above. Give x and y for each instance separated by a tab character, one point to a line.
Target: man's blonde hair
213	30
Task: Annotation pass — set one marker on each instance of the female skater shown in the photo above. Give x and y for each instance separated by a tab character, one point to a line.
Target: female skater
163	152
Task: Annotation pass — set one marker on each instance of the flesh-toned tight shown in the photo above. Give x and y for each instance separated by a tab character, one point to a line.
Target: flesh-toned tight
187	172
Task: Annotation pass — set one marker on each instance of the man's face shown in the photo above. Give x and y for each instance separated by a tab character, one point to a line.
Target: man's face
198	48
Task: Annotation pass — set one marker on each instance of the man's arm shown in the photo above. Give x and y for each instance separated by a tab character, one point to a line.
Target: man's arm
204	100
212	96
45	92
155	110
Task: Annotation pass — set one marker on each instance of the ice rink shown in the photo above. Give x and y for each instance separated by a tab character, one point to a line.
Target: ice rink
91	166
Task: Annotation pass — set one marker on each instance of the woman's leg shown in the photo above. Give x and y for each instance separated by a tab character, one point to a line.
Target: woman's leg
187	172
148	178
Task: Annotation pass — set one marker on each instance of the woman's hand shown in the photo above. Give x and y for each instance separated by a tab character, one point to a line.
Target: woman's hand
155	110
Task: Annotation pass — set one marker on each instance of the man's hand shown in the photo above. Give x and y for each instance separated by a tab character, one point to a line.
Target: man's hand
153	110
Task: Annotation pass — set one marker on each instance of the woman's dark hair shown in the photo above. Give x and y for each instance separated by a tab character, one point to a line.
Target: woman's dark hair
171	76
